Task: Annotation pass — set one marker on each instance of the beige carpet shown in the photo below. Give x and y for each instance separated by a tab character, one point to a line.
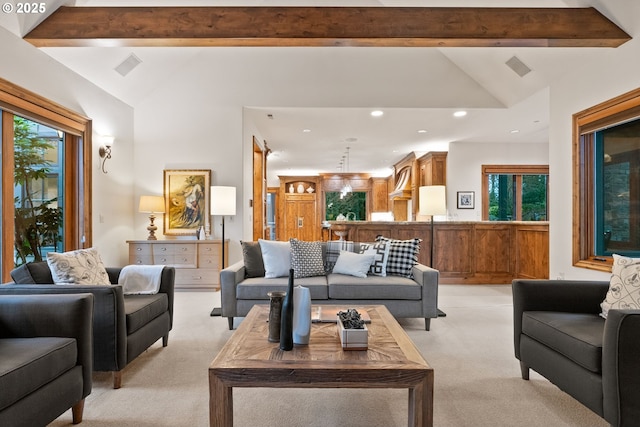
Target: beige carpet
477	378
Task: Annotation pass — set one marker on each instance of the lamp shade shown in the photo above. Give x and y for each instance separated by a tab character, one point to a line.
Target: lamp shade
433	200
223	200
151	204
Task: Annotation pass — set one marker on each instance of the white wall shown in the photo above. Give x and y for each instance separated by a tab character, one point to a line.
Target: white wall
602	75
25	66
464	170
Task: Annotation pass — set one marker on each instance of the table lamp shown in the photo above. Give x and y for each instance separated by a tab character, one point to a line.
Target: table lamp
151	205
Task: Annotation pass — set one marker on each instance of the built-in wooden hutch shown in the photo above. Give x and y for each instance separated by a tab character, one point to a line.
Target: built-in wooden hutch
464	252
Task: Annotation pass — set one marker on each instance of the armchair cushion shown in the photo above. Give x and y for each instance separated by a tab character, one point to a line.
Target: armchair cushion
577	336
27	364
141	309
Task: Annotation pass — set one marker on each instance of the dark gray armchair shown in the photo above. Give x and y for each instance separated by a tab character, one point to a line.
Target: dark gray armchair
45	357
124	326
559	333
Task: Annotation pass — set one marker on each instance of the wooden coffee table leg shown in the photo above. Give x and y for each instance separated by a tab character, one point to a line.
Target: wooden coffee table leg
220	403
421	403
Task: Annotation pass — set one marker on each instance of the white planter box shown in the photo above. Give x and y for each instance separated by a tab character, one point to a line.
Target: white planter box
353	339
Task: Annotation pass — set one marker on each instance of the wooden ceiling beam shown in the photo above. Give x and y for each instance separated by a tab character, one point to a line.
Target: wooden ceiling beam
327	26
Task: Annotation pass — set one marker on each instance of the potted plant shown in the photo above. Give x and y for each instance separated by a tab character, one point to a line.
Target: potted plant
353	332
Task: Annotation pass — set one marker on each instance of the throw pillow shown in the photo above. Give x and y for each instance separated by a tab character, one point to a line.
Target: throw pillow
32	273
403	255
380	251
276	257
624	285
353	264
252	256
306	259
333	251
79	267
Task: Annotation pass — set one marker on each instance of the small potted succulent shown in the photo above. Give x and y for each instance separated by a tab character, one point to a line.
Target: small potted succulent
352	330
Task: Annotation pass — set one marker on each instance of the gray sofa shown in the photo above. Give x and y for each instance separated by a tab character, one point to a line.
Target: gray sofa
45	357
124	326
404	297
559	333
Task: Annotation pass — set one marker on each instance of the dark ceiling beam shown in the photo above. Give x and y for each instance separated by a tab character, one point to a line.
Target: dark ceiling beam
327	26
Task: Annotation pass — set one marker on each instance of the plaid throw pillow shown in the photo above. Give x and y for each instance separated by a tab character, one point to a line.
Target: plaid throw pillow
380	250
306	258
403	255
333	252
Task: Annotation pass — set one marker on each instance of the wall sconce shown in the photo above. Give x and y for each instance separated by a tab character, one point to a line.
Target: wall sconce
151	205
105	149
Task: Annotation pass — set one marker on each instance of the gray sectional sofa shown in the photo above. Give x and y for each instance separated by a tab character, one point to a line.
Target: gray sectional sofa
404	297
559	333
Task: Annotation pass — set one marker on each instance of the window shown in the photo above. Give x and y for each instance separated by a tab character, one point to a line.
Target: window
46	184
606	144
353	206
515	192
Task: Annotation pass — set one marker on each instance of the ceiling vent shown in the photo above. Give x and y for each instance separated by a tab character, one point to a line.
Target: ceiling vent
128	65
519	67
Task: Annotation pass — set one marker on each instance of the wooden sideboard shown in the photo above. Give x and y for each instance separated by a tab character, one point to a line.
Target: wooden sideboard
485	252
197	262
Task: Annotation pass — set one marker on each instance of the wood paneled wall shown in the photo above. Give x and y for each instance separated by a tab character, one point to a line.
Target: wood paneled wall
471	252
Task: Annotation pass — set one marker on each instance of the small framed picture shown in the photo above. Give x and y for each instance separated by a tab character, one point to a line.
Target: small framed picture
466	199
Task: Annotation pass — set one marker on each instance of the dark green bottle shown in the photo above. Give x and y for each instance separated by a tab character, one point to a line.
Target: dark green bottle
286	325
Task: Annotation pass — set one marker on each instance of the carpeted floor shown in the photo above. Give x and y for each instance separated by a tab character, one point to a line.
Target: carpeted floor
477	378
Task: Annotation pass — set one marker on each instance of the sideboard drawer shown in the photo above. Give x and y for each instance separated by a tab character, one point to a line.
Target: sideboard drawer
140	259
137	249
197	277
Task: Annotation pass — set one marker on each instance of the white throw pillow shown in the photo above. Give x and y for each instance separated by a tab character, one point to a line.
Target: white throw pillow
353	264
276	257
624	285
80	267
380	251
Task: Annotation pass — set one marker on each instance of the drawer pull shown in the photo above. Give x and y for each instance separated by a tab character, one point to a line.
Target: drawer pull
138	249
184	249
163	249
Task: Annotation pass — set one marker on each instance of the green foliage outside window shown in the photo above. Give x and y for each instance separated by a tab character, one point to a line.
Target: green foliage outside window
353	205
37	219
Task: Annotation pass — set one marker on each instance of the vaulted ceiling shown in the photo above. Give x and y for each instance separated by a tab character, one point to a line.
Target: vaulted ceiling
417	87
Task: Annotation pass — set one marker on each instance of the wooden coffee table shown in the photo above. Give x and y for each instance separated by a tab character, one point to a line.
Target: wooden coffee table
391	361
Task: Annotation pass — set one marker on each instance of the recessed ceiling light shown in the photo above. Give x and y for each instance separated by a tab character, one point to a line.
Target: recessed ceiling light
306	130
515	131
422	131
377	113
460	113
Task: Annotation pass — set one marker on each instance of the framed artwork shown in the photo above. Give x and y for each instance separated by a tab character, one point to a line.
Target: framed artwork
466	199
186	195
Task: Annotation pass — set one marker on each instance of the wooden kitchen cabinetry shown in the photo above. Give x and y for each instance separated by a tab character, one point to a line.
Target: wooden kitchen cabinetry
300	220
197	262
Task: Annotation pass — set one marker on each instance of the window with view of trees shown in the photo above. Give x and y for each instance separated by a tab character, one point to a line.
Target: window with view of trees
46	158
607	185
515	193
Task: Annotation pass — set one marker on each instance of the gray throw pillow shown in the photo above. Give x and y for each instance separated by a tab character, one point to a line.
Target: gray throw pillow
32	273
252	256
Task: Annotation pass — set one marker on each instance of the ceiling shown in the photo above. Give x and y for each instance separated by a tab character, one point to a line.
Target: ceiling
417	88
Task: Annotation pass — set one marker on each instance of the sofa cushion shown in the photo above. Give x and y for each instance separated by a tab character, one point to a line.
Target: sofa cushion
32	273
276	257
252	256
306	258
353	264
26	364
380	250
577	336
141	309
333	248
257	288
403	255
373	287
624	285
79	267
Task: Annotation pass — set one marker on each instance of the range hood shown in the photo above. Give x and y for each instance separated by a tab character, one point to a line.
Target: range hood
403	185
